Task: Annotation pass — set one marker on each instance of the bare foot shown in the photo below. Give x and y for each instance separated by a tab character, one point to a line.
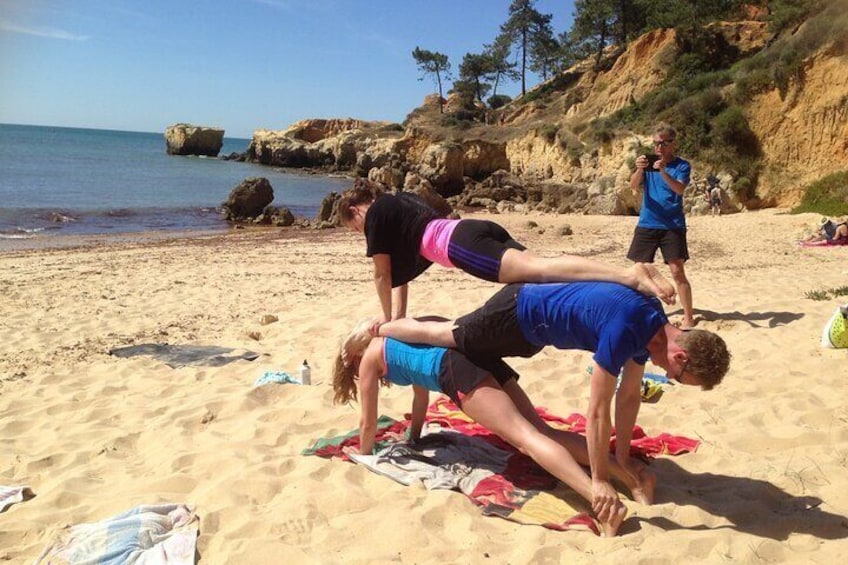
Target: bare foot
650	281
355	343
643	490
610	527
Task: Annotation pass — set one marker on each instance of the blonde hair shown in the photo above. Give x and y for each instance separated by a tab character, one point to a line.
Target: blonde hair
363	191
344	380
709	359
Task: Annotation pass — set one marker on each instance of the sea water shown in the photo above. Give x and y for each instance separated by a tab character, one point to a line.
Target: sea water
70	181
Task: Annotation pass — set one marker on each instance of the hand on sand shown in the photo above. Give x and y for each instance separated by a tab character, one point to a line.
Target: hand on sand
358	339
609	510
649	281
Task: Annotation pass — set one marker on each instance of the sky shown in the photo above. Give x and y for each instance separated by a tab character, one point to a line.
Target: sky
242	65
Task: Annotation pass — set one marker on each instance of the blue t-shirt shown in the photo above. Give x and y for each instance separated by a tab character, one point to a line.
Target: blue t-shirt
662	208
614	321
413	364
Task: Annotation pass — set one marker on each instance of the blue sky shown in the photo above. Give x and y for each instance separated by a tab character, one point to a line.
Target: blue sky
141	65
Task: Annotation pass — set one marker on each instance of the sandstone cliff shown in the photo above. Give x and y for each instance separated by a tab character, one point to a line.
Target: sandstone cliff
547	140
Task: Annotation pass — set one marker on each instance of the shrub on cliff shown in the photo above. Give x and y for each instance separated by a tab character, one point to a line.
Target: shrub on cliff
827	196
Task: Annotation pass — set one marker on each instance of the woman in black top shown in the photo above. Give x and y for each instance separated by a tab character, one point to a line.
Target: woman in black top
399	228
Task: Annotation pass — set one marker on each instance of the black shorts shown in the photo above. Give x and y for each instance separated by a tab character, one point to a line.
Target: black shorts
477	247
458	376
492	331
646	241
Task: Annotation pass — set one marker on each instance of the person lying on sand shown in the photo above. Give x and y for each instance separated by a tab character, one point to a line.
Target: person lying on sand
404	237
622	327
492	398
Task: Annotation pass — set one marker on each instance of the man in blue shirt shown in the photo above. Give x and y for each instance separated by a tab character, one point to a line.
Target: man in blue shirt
662	223
621	326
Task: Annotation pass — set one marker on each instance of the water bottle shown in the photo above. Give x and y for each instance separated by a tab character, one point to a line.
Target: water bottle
305	374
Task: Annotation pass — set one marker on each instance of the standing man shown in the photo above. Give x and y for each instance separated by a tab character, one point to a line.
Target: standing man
662	224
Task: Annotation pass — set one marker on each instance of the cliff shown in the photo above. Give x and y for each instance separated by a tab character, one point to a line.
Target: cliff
551	142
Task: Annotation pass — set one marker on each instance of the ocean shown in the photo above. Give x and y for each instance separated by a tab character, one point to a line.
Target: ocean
57	181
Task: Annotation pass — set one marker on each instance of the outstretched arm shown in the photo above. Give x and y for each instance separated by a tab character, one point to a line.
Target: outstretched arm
383	282
419	411
598	424
628	399
370	370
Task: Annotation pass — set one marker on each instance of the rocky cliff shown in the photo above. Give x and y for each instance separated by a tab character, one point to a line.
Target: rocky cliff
547	143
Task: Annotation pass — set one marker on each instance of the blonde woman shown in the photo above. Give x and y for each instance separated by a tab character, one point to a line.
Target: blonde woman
493	399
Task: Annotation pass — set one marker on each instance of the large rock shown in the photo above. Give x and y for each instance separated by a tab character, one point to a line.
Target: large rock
186	139
248	200
442	164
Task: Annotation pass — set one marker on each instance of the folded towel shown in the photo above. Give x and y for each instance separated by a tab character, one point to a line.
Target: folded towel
148	534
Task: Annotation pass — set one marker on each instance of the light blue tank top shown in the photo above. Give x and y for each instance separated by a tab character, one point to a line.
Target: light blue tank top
412	364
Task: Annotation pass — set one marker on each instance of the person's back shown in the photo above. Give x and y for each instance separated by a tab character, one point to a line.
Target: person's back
611	320
393	226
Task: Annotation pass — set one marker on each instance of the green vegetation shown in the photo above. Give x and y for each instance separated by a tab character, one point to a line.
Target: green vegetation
827	196
820	295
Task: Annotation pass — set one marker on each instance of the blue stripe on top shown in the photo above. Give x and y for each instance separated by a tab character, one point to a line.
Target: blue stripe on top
413	364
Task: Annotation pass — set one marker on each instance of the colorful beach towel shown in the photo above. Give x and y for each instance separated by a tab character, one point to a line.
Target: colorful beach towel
162	534
14	494
457	453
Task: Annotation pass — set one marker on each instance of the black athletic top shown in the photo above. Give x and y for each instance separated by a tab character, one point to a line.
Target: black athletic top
394	225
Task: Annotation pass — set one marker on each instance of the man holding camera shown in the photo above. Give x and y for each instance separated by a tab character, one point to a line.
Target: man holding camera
662	223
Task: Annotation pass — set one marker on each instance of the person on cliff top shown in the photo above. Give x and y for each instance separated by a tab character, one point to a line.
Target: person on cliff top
622	328
404	237
493	398
662	223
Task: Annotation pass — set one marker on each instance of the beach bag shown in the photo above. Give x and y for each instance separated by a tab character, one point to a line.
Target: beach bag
835	333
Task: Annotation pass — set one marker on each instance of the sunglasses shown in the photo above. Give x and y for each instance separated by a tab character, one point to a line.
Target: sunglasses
663	142
679	377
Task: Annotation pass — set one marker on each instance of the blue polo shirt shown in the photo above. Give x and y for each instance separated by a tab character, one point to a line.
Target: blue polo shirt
612	320
662	208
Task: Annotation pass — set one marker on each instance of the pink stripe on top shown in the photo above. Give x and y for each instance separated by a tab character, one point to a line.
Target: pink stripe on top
434	243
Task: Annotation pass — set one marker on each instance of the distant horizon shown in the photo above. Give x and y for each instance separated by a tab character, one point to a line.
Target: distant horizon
257	64
115	130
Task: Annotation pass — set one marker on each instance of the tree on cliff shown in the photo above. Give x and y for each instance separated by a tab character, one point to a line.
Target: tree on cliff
435	64
523	29
502	67
475	71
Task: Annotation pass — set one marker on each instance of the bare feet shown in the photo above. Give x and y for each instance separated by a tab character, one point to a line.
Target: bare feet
649	281
610	527
643	490
358	340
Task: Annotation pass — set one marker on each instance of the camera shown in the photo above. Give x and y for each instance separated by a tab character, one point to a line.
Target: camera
652	158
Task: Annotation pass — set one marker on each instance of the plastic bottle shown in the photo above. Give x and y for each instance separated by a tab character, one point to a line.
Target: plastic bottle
305	374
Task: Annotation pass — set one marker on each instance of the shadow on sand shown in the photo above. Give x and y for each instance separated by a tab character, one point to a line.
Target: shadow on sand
752	506
766	319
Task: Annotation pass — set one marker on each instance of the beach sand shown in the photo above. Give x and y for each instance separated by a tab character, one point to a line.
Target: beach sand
93	434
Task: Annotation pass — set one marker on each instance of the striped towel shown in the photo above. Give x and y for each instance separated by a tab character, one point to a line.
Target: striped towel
147	534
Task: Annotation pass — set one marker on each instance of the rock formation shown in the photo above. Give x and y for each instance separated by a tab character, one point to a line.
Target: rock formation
186	139
248	200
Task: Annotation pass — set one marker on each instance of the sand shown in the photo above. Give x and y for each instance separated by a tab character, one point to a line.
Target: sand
93	434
